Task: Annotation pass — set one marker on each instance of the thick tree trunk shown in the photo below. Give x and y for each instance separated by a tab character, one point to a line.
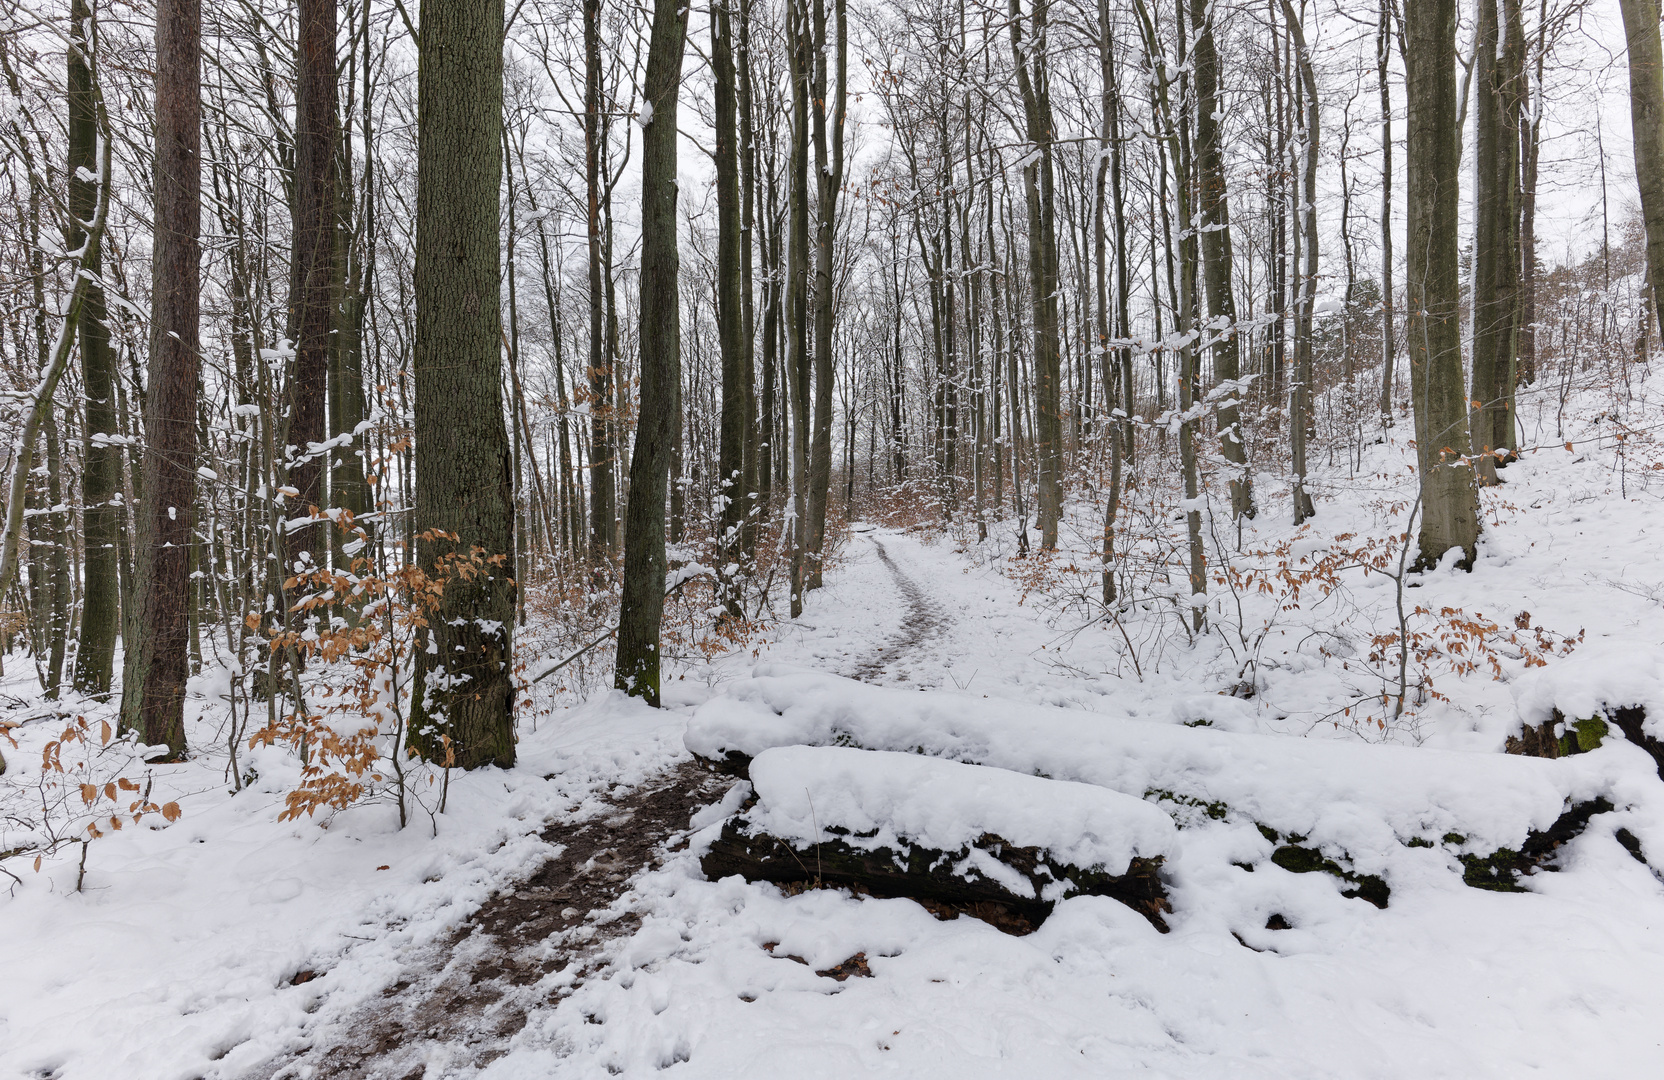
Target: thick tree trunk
100	460
157	656
1215	223
311	271
642	603
1646	113
464	488
1449	501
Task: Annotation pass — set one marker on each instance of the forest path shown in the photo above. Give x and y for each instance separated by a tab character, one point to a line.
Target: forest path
464	999
923	621
898	610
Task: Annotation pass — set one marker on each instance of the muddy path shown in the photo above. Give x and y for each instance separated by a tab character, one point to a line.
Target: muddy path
923	621
464	999
467	998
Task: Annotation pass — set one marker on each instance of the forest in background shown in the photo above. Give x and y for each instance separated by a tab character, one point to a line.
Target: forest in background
347	337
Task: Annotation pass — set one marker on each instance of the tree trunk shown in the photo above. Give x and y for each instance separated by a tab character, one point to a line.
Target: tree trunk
797	295
1495	240
100	460
57	555
1383	36
1530	148
1301	417
1214	214
829	174
157	654
464	488
1646	114
751	508
601	448
731	484
1449	501
642	603
311	272
1034	83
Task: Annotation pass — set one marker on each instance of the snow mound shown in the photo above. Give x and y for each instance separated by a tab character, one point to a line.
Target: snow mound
878	799
1365	799
1600	677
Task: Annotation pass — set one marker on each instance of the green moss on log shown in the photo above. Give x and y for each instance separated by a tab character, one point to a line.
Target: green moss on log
927	874
1304	860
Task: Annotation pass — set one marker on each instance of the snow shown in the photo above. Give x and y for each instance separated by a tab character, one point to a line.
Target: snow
889	800
1613	675
933	688
1367	801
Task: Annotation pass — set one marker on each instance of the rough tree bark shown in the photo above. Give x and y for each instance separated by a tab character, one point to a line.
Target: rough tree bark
1383	37
1646	114
1449	500
157	655
602	530
829	175
735	420
1300	409
464	490
311	271
642	604
1499	61
1214	215
101	461
797	293
1033	81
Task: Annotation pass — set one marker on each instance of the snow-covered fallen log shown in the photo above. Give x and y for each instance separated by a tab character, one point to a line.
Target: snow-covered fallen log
1574	706
966	837
1368	809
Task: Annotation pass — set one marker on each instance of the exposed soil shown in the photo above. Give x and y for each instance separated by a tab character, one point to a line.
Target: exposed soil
478	987
475	991
924	620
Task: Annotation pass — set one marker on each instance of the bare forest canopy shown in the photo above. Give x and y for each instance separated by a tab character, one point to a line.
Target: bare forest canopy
420	327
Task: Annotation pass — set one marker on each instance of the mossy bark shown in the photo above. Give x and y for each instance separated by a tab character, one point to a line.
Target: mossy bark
928	874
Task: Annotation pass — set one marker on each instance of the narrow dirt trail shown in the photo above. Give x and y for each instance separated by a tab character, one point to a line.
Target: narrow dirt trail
463	1001
469	995
924	620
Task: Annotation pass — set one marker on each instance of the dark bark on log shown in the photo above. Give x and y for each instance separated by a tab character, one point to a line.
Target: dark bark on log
927	875
1584	734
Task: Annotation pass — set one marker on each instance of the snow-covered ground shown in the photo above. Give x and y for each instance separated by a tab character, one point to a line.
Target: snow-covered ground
179	958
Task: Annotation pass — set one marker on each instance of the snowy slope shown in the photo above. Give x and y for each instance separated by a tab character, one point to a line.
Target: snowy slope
178	960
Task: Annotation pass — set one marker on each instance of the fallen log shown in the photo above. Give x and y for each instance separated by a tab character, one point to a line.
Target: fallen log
1560	737
947	881
959	838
